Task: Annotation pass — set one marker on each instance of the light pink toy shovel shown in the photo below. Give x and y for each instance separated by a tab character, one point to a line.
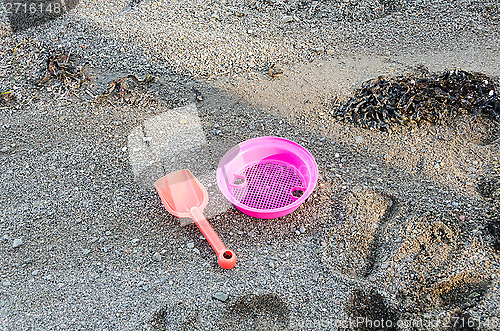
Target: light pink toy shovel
185	197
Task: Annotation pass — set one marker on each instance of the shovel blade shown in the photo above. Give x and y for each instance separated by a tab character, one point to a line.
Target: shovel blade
180	191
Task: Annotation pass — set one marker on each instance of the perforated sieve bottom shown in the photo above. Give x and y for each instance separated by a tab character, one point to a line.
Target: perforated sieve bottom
268	185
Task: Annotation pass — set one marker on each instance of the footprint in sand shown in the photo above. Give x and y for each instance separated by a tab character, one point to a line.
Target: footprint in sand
258	312
350	247
178	316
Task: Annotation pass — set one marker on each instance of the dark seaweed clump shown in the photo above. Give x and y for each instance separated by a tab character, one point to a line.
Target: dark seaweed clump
384	102
61	67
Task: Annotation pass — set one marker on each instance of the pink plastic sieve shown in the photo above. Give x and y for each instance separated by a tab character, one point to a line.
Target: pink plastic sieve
267	177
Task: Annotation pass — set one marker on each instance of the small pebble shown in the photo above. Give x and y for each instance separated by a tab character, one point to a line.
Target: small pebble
157	257
108	233
196	250
302	229
287	19
297	232
202	237
135	241
271	264
220	296
6	237
164	252
359	139
384	265
17	243
85	251
6	283
337	155
316	277
35	273
190	245
4	149
147	139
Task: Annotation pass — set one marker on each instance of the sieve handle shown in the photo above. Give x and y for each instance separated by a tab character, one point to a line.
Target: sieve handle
225	257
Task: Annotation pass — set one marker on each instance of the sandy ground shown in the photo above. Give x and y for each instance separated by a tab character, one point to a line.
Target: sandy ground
396	229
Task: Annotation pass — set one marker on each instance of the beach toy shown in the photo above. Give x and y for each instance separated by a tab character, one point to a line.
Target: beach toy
184	196
267	177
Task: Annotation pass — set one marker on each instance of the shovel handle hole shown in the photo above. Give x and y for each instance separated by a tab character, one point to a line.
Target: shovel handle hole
297	193
227	255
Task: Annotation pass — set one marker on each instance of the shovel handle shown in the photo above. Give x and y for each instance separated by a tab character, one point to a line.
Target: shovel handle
225	257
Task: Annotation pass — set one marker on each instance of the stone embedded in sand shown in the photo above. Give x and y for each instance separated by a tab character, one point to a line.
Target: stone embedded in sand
157	257
17	243
359	139
221	296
